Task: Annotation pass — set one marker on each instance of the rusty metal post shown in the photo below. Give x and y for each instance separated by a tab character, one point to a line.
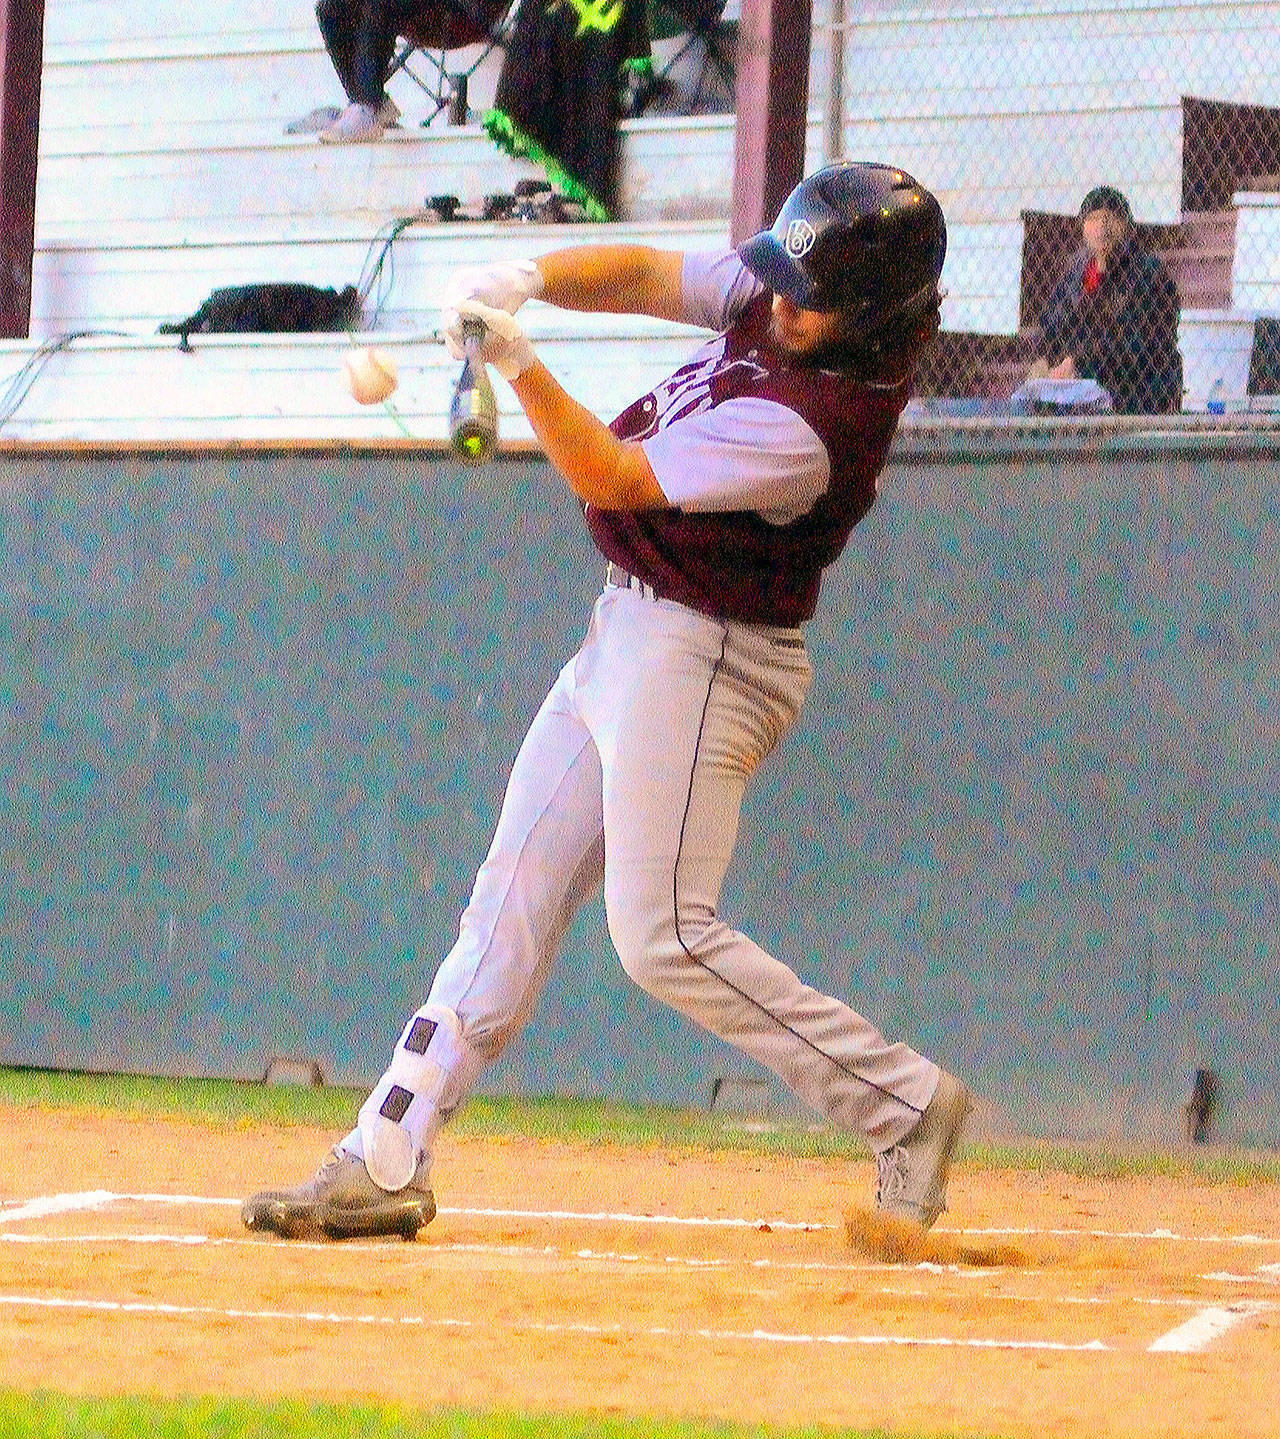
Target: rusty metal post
833	120
21	63
772	100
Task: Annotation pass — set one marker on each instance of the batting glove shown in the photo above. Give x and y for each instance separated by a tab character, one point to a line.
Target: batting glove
505	285
506	346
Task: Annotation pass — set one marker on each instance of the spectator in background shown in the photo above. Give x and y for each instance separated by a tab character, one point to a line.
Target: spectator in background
360	36
1113	317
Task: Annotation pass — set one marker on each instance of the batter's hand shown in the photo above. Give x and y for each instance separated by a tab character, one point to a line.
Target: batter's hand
506	346
506	285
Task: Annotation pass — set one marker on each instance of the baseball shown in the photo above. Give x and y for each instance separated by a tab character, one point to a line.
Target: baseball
370	374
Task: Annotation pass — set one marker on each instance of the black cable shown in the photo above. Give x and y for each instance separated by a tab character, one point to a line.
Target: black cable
29	372
380	270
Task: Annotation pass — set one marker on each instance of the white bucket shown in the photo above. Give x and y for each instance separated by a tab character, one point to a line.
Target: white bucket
1216	346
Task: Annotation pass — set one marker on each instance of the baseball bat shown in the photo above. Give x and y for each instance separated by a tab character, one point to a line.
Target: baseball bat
473	411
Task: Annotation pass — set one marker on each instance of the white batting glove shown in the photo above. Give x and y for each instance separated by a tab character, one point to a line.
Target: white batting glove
506	285
506	346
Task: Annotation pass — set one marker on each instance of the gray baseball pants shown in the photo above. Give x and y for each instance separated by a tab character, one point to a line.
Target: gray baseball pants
632	774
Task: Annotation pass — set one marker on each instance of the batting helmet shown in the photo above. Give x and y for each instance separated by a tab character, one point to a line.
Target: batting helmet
858	237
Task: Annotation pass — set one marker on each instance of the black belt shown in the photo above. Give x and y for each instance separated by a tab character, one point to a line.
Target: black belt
617	578
621	579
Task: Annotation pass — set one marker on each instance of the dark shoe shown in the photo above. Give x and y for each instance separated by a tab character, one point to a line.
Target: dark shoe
531	197
340	1202
498	207
913	1174
443	207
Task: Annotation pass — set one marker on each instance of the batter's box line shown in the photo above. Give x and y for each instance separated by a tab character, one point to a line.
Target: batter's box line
444	1247
1133	1234
586	1330
1202	1329
1263	1274
100	1198
1209	1324
655	1262
49	1204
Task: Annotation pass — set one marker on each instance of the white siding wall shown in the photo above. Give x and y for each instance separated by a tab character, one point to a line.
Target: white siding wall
290	386
165	171
1255	273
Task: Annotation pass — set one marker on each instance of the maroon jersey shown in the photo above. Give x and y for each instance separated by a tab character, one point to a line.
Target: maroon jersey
736	564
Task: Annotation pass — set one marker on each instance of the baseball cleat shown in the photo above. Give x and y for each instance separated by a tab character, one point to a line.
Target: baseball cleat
340	1202
913	1174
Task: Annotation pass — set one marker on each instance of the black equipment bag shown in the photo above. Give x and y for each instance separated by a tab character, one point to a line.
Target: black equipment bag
272	307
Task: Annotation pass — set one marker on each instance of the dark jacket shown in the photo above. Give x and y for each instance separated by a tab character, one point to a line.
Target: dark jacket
1124	335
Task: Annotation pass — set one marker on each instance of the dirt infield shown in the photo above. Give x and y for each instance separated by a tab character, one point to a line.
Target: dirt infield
560	1277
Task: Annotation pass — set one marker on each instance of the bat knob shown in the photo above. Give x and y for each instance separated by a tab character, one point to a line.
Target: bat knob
473	414
472	442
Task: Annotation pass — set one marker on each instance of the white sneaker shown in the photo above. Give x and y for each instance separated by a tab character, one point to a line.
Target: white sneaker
361	123
913	1174
314	120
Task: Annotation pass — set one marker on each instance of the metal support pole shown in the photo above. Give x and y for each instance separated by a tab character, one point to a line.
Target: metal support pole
772	100
21	63
833	120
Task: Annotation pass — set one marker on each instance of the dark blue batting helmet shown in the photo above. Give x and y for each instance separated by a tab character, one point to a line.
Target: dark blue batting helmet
859	237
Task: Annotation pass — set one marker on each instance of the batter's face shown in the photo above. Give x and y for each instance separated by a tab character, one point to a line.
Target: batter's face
802	332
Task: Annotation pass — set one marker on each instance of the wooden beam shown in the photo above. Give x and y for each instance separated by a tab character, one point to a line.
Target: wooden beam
21	63
772	102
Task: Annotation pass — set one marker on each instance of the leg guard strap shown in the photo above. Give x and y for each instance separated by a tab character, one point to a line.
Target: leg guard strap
406	1101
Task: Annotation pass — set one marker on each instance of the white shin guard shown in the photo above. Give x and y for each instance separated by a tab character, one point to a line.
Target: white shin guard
432	1069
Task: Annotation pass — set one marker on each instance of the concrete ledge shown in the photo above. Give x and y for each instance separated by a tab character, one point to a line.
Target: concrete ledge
1095	436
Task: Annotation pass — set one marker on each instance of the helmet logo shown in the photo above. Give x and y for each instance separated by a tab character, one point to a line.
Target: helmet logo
799	239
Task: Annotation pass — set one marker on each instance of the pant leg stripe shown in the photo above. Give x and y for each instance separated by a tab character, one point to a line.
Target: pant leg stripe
728	983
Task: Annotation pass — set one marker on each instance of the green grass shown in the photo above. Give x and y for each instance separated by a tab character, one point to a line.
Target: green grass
1087	1161
594	1121
213	1101
51	1416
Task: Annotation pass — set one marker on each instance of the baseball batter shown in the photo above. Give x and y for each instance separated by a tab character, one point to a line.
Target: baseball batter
716	501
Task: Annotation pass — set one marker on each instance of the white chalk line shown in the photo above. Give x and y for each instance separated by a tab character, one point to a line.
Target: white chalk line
1202	1329
1134	1234
100	1198
1191	1337
1264	1274
426	1252
448	1246
422	1321
57	1204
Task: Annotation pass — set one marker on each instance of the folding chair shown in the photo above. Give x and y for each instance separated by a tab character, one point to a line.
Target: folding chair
707	39
441	26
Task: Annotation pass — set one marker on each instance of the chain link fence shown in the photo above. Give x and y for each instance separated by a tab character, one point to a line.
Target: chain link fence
1167	297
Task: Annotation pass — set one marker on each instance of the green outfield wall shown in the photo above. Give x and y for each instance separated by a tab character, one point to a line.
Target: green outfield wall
257	707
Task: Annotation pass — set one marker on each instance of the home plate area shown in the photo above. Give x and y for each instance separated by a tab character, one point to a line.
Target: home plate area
562	1277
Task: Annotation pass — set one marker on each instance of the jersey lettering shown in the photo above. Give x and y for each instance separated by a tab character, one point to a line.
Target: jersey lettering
684	392
688	391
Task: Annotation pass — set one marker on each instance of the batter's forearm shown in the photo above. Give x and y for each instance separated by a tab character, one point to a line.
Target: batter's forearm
602	470
617	279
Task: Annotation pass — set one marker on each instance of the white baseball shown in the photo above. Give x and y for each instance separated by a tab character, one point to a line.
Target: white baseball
371	375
